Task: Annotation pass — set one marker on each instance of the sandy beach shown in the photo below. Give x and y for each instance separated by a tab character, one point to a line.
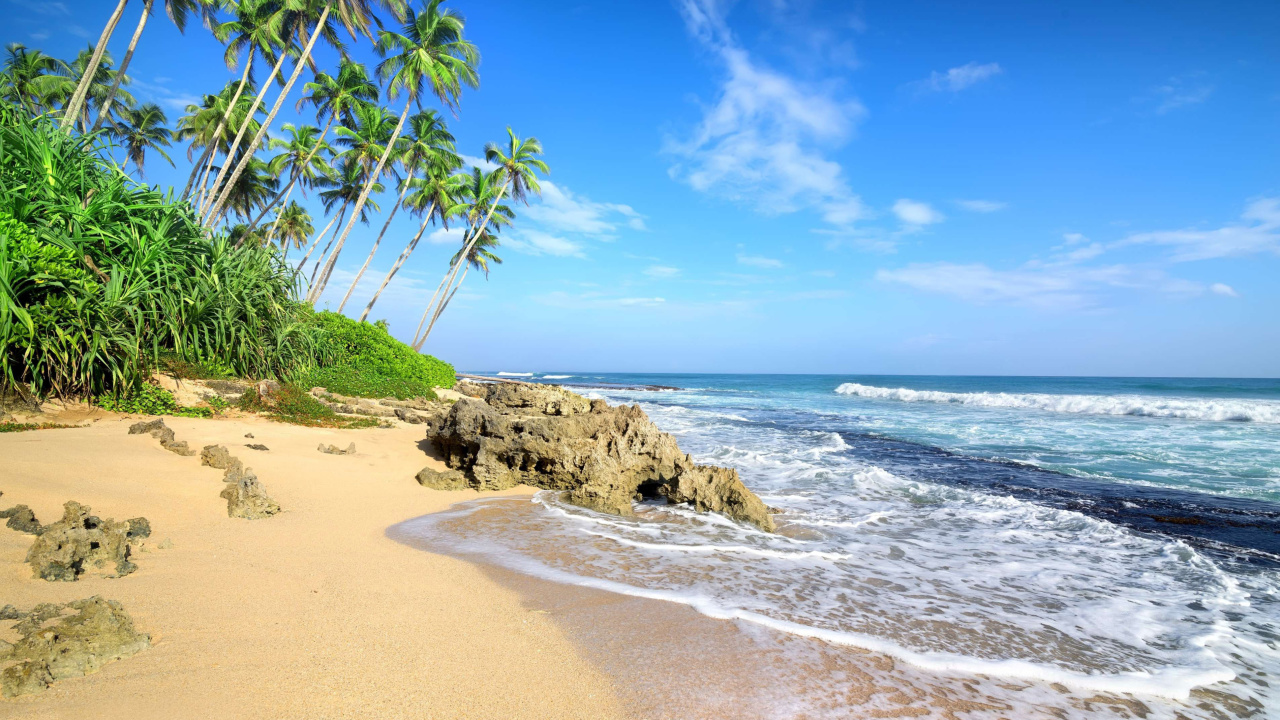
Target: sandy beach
313	613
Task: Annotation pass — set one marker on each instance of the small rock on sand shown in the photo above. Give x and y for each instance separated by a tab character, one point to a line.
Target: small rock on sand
81	542
245	496
22	519
335	450
219	457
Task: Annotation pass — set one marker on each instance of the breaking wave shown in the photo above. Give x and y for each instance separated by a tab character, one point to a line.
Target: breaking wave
1220	410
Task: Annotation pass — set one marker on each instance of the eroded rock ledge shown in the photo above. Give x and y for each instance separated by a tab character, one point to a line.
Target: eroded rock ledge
65	641
602	457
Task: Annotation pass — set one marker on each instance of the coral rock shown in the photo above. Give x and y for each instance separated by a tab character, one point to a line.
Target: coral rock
75	645
219	457
81	542
442	480
22	519
335	450
157	429
245	496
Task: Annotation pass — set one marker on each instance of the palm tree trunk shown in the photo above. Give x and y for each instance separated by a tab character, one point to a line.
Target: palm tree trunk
293	178
262	129
72	111
316	243
391	216
124	65
400	261
364	195
210	212
191	181
325	253
445	303
271	231
217	132
466	251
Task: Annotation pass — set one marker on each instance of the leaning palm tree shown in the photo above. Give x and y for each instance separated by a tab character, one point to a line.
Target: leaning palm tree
141	131
22	71
252	190
427	138
517	165
346	186
300	160
77	98
261	26
177	11
60	87
291	228
429	51
203	126
479	255
438	196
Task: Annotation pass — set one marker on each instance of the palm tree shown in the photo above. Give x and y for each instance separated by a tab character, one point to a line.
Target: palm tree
252	190
479	256
485	215
430	50
61	86
345	188
204	126
517	164
291	228
77	99
143	130
335	97
261	26
22	72
428	138
177	11
300	159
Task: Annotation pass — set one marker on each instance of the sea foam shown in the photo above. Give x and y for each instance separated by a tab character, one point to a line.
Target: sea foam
1261	411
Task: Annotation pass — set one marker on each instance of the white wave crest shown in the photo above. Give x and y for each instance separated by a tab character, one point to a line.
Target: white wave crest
1262	411
511	374
556	377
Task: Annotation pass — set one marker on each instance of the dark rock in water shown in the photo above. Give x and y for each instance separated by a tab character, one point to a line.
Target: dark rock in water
157	429
602	457
256	446
442	480
335	450
75	645
22	519
219	457
245	496
81	542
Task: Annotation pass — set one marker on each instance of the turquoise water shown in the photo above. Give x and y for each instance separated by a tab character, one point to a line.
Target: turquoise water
1116	536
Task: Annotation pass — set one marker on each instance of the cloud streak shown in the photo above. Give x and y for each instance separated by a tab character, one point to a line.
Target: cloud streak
958	78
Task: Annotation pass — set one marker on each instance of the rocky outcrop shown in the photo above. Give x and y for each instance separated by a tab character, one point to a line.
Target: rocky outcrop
335	450
55	645
442	480
219	458
81	542
22	519
413	411
602	457
245	496
157	429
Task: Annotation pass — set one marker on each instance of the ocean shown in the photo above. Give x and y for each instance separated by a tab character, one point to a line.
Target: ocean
1017	546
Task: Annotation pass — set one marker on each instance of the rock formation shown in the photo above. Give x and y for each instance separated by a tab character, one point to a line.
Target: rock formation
54	646
157	429
245	496
602	457
335	450
81	542
442	480
22	519
219	458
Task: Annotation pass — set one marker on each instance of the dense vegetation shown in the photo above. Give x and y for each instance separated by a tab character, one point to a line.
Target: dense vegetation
364	360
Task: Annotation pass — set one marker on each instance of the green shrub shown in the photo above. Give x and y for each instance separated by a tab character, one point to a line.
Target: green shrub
371	350
294	405
357	382
100	277
8	427
145	400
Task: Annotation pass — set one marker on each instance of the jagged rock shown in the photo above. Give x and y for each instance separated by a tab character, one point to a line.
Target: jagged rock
219	457
22	519
81	542
472	389
335	450
98	633
228	390
139	528
245	496
256	446
442	480
602	457
9	612
411	417
157	429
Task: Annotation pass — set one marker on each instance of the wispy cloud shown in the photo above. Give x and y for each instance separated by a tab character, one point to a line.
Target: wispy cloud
42	7
1259	232
916	214
559	209
761	143
759	261
661	271
1178	92
982	206
957	78
1224	289
537	242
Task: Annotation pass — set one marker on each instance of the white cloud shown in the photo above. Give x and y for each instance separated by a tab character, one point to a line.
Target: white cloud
43	7
1258	233
640	301
958	78
760	262
561	210
1180	91
1224	289
915	213
537	242
760	142
982	206
450	236
661	271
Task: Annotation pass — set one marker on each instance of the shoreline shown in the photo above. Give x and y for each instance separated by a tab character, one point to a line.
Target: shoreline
311	613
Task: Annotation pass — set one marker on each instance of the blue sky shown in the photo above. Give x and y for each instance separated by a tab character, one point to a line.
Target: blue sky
782	186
